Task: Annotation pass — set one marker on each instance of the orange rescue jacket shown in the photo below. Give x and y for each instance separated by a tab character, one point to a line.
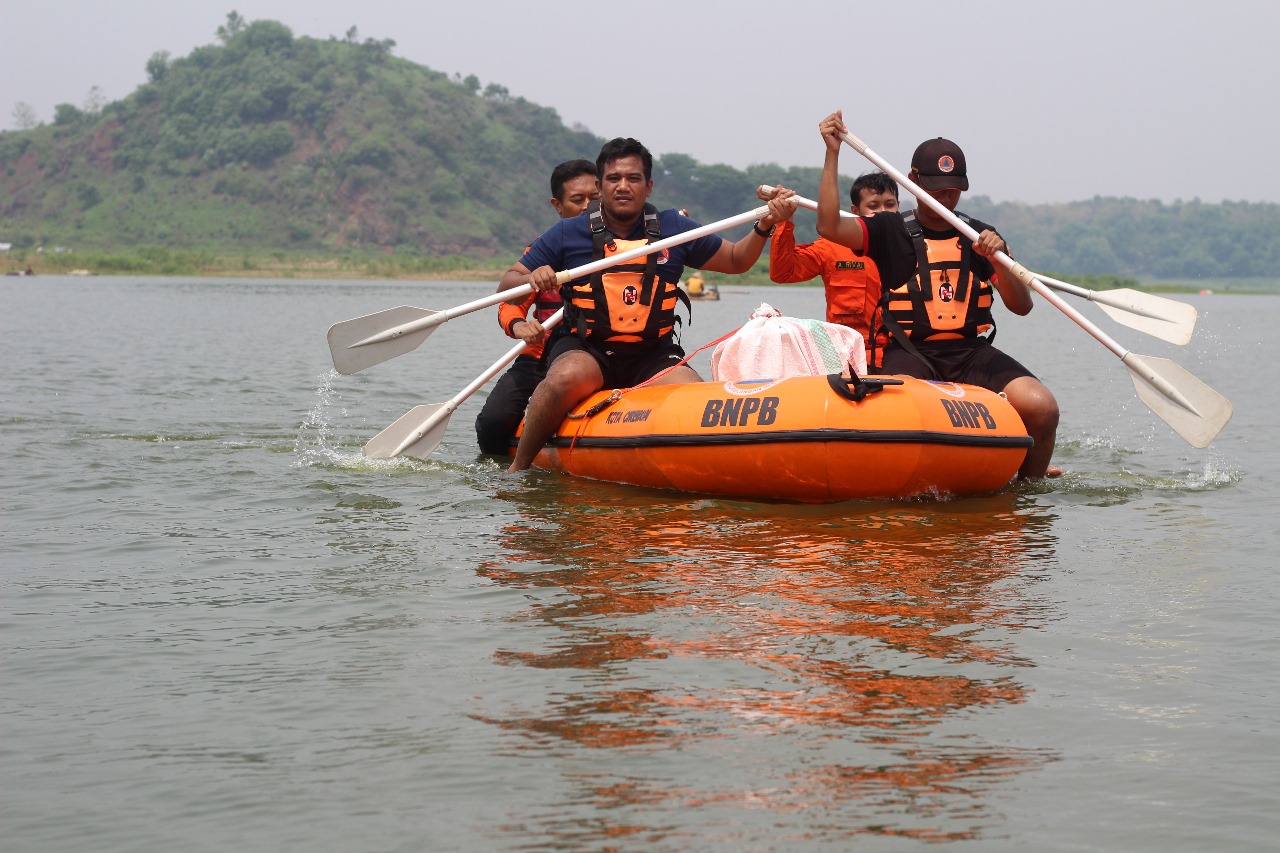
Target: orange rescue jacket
852	283
543	305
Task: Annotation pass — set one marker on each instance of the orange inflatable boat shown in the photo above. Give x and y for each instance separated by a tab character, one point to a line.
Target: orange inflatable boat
809	438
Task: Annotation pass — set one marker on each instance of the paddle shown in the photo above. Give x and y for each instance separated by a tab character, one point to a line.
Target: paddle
1194	410
1167	319
1163	318
375	338
418	432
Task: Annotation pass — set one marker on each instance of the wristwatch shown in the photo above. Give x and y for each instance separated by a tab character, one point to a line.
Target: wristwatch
755	226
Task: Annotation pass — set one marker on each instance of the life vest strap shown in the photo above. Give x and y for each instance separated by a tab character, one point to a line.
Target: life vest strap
601	240
652	232
904	340
920	291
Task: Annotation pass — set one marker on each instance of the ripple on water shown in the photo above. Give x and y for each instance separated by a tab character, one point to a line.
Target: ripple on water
226	628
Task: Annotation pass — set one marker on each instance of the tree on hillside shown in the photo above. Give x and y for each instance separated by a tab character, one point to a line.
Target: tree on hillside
233	27
87	194
157	66
265	37
66	114
95	101
24	116
377	49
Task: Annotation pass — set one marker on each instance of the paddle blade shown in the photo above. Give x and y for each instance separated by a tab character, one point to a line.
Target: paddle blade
1194	410
1167	319
416	433
375	338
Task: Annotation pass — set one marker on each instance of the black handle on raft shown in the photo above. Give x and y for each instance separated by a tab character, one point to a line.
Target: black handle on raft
858	387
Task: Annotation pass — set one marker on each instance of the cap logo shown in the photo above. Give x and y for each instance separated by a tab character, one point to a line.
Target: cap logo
946	164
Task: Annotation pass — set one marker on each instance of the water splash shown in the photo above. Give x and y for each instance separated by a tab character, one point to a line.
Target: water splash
317	443
1213	474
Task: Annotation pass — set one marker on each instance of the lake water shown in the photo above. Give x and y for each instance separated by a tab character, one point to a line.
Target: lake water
223	629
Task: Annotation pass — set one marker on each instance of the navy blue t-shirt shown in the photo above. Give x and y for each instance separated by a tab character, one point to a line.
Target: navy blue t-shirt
567	245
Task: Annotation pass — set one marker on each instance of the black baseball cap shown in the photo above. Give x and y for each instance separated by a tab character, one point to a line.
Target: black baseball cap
940	164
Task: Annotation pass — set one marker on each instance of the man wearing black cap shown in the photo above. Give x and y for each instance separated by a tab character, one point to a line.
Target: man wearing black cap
938	288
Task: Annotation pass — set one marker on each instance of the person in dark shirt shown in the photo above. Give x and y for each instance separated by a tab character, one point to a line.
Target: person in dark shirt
602	354
940	316
573	187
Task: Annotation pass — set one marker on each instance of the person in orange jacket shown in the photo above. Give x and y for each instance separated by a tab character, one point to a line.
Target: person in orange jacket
852	283
574	185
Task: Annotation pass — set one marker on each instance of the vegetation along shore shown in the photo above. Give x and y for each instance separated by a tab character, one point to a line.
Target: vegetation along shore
267	154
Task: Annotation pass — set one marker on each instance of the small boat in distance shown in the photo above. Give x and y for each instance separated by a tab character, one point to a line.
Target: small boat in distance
698	288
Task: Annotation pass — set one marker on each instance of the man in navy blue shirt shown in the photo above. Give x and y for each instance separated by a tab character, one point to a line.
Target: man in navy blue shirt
623	317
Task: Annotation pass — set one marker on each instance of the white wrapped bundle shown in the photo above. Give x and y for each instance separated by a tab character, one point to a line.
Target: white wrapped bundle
771	346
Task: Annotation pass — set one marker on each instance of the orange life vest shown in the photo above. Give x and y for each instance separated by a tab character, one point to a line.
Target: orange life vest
943	301
539	305
627	303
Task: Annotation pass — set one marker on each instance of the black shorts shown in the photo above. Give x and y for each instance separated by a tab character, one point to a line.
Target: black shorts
970	361
621	369
502	411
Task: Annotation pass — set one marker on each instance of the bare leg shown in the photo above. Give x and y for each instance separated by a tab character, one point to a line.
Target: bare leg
572	378
1038	409
681	375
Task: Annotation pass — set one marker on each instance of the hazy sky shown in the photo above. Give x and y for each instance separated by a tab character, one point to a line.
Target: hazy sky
1051	101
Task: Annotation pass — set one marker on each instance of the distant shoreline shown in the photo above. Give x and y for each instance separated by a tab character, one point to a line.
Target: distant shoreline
199	264
185	264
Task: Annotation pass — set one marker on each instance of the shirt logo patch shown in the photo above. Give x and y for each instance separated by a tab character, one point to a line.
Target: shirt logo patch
851	265
664	256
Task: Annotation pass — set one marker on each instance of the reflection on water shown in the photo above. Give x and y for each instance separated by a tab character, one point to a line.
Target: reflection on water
228	630
846	643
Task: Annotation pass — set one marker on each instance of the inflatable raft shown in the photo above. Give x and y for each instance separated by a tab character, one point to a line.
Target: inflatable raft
808	438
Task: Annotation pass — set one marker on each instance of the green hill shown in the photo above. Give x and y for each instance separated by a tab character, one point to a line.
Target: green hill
271	141
267	143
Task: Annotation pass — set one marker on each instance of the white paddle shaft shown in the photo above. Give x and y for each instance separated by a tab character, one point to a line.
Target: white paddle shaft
1018	270
442	414
564	276
1166	319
